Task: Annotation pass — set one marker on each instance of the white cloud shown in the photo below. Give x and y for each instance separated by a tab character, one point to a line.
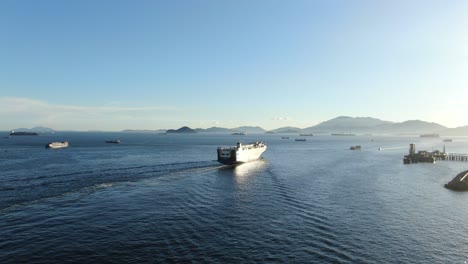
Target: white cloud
21	112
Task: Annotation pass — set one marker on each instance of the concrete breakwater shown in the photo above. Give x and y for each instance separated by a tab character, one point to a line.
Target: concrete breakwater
459	183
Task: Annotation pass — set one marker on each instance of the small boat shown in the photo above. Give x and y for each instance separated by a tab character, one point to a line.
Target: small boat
54	145
447	140
239	134
300	139
306	135
117	141
284	137
355	148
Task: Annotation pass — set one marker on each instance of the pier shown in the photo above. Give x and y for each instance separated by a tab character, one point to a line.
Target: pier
426	156
457	157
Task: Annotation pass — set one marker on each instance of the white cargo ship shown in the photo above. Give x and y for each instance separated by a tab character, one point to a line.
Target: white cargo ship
63	144
241	153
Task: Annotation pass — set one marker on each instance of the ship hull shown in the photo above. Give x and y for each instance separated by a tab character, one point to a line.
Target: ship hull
55	145
241	153
23	134
113	141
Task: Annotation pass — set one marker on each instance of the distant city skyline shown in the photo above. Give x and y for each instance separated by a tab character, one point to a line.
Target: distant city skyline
114	65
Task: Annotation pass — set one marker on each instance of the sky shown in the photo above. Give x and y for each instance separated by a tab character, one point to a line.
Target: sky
113	65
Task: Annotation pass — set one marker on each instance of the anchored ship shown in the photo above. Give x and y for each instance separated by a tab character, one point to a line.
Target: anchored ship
63	144
117	141
429	135
342	134
21	133
241	153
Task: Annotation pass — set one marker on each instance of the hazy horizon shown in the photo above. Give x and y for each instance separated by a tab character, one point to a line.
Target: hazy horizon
115	65
252	125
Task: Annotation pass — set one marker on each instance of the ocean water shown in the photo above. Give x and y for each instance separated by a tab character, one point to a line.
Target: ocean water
164	199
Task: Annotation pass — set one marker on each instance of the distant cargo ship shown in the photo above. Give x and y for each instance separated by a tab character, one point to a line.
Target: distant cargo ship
239	134
430	135
447	140
14	133
54	145
113	141
300	139
306	135
342	134
241	153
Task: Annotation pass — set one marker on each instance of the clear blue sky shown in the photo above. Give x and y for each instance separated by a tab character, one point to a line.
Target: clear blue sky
112	65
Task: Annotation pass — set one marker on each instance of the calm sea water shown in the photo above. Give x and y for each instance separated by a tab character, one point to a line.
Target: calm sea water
162	198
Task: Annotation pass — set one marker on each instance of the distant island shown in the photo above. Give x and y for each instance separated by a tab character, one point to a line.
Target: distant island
182	130
287	130
246	129
144	131
37	129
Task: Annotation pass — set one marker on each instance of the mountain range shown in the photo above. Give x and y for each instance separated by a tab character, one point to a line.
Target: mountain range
341	124
355	125
369	125
246	129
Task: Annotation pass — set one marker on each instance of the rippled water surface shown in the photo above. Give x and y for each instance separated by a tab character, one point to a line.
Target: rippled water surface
164	198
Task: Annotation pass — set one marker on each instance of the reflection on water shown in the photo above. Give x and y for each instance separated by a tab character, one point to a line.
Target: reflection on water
244	171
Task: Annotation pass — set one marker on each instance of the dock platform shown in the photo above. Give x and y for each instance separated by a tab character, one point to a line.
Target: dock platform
431	157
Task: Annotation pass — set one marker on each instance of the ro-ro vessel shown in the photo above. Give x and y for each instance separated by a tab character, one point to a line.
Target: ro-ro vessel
241	153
